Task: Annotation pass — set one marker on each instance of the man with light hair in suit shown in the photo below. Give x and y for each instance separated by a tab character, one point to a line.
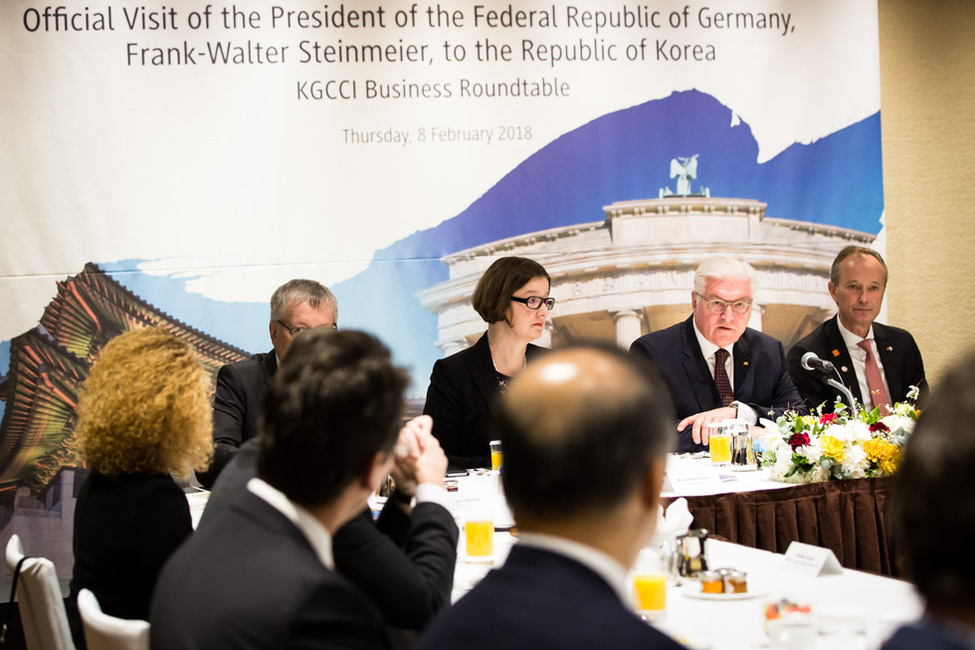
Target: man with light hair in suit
715	365
296	306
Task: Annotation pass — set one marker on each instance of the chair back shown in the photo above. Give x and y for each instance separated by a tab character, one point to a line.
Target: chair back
42	610
105	632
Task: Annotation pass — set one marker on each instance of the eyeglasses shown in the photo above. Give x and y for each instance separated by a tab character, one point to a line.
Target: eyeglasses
295	331
718	306
536	302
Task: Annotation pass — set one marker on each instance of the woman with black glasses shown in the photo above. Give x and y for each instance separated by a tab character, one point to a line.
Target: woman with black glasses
512	298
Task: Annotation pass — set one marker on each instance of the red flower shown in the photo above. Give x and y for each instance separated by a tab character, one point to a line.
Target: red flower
798	440
827	418
879	426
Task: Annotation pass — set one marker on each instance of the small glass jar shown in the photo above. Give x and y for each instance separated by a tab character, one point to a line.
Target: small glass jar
712	582
735	582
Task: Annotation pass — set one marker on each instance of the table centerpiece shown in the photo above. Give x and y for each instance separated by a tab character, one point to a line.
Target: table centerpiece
848	443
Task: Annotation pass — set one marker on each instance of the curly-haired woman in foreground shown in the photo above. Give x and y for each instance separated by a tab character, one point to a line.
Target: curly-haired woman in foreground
143	415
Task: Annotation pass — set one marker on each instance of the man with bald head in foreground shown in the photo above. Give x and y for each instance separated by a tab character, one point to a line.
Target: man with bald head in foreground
585	434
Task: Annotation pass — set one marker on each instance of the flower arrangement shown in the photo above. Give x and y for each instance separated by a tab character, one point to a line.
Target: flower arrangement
847	443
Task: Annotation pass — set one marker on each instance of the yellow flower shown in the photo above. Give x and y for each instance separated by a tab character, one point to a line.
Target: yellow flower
884	454
832	447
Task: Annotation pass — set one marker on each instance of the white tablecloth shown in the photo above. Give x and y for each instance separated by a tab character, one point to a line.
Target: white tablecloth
723	478
876	603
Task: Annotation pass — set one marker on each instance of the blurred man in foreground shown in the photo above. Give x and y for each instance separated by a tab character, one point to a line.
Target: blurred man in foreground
878	363
585	434
261	574
404	561
933	508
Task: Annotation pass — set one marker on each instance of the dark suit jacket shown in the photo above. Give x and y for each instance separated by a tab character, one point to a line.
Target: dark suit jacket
237	405
251	580
926	636
761	380
539	599
898	353
460	399
405	564
124	530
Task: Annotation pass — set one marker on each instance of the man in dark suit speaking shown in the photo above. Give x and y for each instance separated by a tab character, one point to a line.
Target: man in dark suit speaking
585	435
296	305
878	363
261	574
715	365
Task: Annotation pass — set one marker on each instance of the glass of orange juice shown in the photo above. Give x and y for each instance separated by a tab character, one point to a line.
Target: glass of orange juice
496	457
480	538
719	444
650	584
479	530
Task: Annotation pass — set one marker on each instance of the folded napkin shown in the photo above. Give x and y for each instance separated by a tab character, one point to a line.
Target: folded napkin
675	520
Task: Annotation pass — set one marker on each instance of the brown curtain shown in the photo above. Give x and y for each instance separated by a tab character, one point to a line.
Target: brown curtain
847	517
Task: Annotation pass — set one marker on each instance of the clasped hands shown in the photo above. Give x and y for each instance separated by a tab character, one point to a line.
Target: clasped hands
417	457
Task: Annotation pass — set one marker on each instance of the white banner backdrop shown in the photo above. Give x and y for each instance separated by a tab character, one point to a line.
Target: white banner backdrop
202	154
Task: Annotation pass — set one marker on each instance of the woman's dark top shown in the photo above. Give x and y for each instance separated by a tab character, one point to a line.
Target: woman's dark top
460	399
124	530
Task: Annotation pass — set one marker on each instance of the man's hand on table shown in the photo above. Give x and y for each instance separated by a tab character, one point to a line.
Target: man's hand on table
700	421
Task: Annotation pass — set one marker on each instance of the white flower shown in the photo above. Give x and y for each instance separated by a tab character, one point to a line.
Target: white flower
849	431
856	462
899	425
813	451
859	431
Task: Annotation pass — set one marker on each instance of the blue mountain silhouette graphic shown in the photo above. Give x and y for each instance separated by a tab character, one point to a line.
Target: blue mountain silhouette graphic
621	156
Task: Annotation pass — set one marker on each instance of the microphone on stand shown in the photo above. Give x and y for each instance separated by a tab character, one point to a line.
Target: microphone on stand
811	361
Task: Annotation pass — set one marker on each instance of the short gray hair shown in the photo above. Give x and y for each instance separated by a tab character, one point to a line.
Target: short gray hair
298	291
722	267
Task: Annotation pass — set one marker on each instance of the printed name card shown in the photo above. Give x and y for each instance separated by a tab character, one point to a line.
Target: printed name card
691	479
810	560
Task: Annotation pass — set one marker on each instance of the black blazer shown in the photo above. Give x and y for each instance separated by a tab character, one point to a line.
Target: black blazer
405	564
460	399
539	599
237	405
251	580
761	380
124	531
899	354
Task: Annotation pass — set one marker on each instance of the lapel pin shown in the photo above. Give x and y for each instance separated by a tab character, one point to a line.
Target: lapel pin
744	363
836	353
843	368
890	348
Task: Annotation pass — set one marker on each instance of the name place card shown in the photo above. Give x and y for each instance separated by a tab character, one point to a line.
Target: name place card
691	479
812	561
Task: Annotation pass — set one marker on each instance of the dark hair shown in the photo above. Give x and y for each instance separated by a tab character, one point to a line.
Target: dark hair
581	446
492	295
834	271
336	400
298	291
932	500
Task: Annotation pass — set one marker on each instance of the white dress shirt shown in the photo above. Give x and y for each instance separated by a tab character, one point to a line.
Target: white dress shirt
859	357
